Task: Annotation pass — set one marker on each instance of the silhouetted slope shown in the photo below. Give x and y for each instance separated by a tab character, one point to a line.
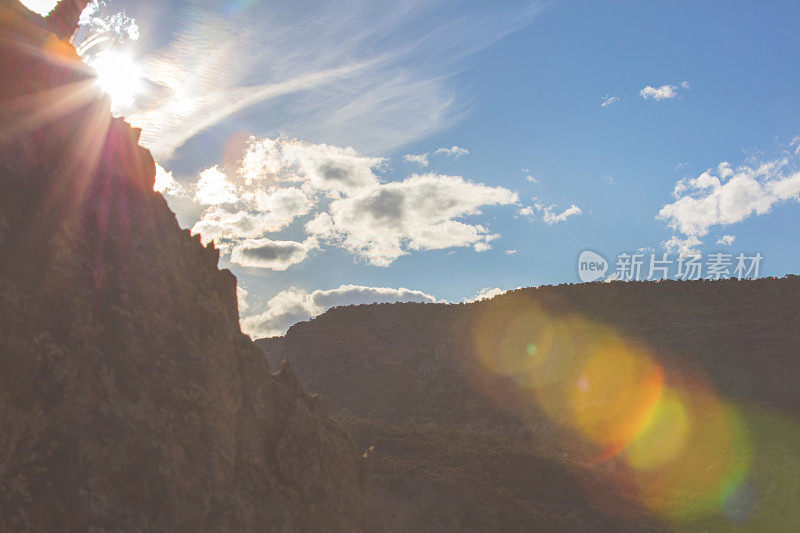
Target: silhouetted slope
423	383
129	399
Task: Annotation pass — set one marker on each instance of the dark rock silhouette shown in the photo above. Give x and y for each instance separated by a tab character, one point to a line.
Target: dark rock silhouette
129	398
459	447
63	19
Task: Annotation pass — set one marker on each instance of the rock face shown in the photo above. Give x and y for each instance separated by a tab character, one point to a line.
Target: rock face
129	398
459	447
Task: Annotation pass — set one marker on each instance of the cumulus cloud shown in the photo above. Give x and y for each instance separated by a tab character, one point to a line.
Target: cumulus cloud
166	183
730	196
549	213
224	227
726	240
280	180
241	298
418	213
213	188
511	252
608	101
295	305
420	159
274	255
665	92
318	167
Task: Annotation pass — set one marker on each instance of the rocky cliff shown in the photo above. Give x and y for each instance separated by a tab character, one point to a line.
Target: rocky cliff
129	398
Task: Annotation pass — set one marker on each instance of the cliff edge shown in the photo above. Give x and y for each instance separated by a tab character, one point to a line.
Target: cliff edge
129	398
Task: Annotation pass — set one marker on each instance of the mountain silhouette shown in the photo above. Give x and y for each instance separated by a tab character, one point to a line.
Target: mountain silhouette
478	422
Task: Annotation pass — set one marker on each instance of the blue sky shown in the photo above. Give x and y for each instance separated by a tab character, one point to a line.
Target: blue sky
327	99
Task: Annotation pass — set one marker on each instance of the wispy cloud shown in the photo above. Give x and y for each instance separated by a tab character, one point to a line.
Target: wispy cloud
423	160
529	176
548	213
419	159
357	80
608	101
455	151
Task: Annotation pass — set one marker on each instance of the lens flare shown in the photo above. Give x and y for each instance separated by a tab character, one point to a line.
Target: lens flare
118	76
688	450
664	436
616	395
707	469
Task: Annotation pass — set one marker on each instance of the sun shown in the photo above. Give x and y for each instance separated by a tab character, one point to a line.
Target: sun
119	77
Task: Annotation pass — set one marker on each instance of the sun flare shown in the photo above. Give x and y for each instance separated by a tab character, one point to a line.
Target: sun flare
119	76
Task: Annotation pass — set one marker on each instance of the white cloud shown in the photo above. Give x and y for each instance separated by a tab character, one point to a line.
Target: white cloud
609	101
726	240
295	305
220	225
274	255
730	196
241	298
609	180
213	188
322	167
527	211
455	151
529	176
548	212
511	252
280	180
166	183
664	92
420	159
419	213
424	159
685	85
98	19
684	247
487	293
552	218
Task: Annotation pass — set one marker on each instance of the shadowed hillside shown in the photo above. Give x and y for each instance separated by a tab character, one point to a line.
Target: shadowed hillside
129	398
516	411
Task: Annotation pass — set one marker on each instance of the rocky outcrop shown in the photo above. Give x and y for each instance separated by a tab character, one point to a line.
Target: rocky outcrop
63	19
129	398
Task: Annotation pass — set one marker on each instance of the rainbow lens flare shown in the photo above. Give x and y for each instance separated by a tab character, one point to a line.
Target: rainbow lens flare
687	449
